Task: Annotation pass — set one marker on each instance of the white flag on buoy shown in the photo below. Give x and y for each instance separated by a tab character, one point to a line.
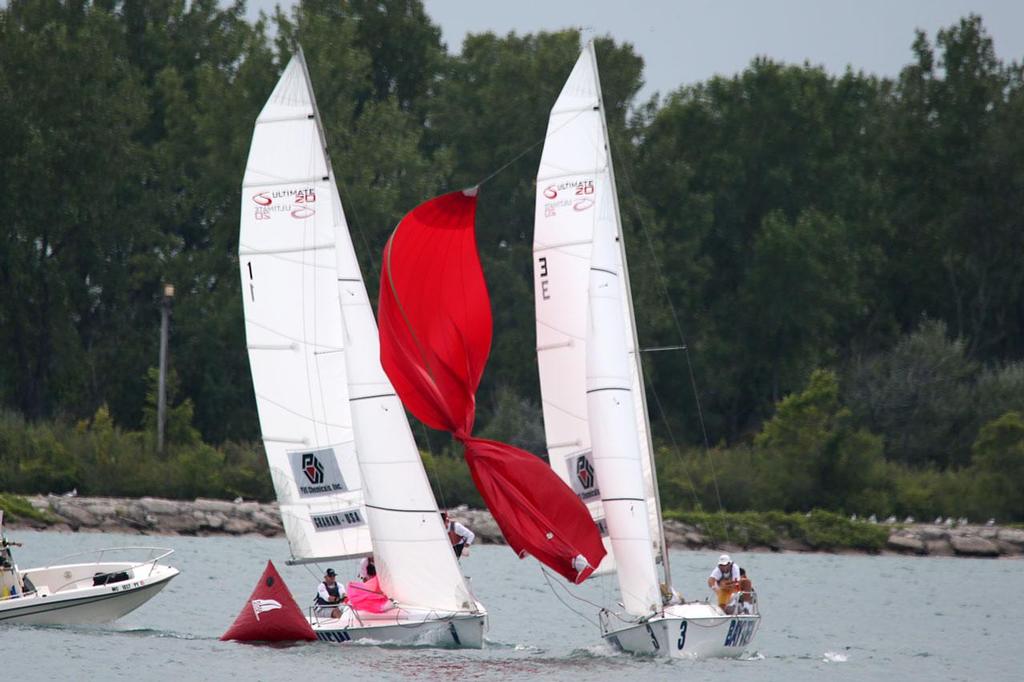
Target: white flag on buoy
262	605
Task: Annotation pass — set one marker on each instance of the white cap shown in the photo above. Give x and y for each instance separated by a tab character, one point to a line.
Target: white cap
724	559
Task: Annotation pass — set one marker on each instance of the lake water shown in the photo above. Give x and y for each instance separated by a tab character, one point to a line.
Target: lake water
844	617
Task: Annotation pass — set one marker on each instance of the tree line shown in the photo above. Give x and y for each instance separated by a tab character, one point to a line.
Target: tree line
789	226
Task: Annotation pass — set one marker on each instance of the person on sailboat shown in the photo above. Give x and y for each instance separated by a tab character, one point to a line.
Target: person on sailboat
745	595
5	553
724	580
460	536
669	595
367	569
329	595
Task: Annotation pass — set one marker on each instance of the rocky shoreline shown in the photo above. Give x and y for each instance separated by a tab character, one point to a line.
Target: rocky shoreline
203	517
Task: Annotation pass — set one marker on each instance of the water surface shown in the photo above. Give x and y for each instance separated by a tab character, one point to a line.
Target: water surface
844	617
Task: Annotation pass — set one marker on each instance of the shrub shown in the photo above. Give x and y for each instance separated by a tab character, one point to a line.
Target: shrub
18	507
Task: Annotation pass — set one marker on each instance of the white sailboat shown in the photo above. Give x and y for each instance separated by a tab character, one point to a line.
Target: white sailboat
346	470
595	411
85	588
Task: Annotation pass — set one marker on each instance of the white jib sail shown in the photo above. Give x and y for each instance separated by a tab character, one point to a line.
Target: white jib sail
616	443
575	172
411	549
293	327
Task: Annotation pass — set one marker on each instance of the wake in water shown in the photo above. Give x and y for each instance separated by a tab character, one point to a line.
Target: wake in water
599	650
108	630
835	657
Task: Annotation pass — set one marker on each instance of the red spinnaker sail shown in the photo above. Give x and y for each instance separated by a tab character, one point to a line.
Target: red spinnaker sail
435	335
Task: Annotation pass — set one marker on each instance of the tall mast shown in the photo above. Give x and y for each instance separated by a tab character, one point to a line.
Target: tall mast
316	110
663	548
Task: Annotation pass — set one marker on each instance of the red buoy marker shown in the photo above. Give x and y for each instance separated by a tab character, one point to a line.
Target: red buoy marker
270	614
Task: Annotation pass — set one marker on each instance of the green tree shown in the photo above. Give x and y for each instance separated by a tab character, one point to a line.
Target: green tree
919	396
999	463
953	153
814	457
800	285
70	108
763	195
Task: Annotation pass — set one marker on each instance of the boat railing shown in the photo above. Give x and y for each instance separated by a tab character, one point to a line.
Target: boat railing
315	611
153	555
107	555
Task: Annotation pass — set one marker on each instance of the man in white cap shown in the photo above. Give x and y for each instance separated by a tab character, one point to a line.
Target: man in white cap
724	579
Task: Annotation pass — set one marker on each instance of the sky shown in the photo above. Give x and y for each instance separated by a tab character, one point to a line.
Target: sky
686	41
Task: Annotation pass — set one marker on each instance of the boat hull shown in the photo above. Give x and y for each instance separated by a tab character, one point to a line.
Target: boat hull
85	605
675	635
461	631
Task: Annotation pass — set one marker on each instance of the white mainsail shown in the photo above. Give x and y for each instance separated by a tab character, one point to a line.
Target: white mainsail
293	327
575	175
411	548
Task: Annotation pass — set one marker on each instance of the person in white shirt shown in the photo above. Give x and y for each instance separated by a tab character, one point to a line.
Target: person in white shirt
460	536
329	596
724	580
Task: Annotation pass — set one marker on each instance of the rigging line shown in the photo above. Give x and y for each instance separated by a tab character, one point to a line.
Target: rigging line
530	148
672	438
433	466
565	603
294	339
569	592
659	276
358	227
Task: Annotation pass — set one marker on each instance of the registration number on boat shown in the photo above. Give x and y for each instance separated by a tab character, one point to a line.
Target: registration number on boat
127	586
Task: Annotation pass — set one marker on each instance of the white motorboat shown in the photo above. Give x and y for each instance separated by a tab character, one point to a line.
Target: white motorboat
85	588
595	411
345	468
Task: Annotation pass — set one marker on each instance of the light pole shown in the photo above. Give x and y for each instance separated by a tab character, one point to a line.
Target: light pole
161	399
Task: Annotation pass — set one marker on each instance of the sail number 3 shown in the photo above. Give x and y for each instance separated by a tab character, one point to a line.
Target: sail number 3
681	642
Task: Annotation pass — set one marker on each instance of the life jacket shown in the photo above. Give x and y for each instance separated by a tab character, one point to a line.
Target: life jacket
333	591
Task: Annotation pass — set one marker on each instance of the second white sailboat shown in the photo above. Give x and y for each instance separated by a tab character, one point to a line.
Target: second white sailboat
595	413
